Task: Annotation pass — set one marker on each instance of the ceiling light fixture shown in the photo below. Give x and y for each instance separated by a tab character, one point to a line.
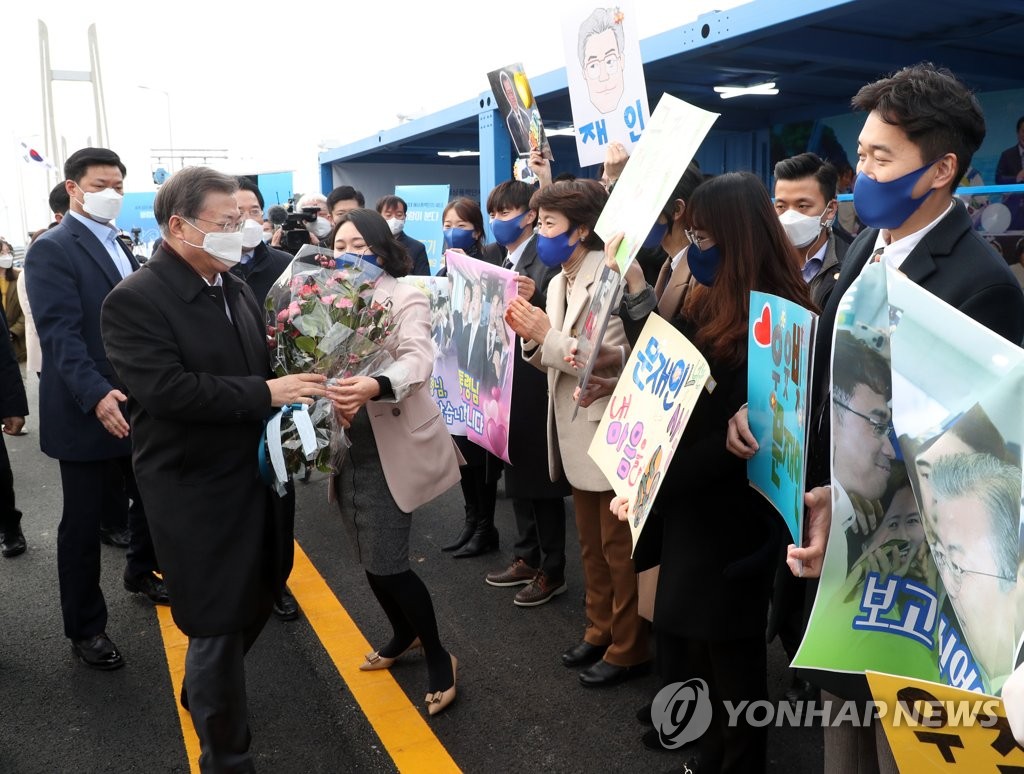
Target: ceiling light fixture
458	154
758	89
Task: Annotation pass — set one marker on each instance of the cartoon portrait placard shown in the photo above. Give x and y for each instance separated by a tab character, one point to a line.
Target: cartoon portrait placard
605	73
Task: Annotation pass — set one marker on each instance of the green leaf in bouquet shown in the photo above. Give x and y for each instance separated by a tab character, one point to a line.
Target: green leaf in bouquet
306	343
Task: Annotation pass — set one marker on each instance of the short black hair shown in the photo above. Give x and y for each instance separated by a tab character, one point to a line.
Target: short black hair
60	201
344	193
856	363
389	202
245	184
933	107
805	165
80	161
511	195
374	230
1019	122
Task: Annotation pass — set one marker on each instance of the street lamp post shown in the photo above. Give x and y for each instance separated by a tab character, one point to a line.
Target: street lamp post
170	134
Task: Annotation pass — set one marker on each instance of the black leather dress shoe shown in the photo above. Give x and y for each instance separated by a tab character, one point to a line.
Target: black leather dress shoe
583	654
98	652
150	585
285	606
118	538
12	542
604	675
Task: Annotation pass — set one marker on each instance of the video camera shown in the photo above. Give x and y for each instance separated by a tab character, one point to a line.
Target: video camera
294	233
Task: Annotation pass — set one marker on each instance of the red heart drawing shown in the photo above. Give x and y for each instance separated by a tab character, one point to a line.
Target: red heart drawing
763	328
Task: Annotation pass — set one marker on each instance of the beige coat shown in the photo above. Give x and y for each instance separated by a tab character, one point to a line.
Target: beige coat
416	451
34	359
568	441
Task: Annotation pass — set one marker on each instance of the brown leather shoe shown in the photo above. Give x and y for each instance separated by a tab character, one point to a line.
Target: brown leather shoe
519	573
539	591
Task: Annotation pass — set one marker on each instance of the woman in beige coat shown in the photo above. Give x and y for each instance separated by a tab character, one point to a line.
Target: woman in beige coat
401	456
614	646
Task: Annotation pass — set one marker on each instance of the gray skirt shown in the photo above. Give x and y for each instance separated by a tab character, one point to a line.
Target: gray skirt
377	528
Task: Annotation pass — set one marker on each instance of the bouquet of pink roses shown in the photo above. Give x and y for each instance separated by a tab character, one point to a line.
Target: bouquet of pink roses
321	318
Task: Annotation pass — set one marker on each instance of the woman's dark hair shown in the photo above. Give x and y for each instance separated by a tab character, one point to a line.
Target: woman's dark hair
735	210
374	230
580	200
935	110
468	210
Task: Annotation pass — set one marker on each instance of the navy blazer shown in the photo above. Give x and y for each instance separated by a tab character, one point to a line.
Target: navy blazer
417	252
68	276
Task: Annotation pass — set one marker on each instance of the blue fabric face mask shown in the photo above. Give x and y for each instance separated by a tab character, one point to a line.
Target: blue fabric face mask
887	205
556	250
508	231
355	258
459	238
703	263
657	233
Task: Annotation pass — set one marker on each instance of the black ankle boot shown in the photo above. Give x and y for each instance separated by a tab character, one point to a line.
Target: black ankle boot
468	528
484	540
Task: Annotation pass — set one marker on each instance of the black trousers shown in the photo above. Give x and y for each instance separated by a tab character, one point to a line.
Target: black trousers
540	528
89	487
10	516
215	685
735	671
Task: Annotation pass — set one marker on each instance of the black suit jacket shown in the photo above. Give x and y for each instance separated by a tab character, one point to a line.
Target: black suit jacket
198	399
954	263
528	475
1009	166
263	269
68	276
417	252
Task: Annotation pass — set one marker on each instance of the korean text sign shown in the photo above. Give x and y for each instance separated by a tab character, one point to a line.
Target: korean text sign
647	414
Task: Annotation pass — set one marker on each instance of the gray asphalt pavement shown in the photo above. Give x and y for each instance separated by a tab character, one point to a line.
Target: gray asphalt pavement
518	708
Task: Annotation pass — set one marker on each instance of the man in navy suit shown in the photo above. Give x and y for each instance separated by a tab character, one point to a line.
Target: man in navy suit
72	268
394	209
904	197
1010	170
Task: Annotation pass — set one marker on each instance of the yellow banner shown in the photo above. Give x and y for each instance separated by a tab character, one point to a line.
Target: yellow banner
933	727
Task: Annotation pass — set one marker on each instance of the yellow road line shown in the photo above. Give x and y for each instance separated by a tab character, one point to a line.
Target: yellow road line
401	727
175	645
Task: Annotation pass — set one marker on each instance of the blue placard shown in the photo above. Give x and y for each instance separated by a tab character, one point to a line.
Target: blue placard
425	205
780	338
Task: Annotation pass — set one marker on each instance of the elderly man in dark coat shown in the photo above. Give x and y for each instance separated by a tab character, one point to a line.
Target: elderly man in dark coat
187	339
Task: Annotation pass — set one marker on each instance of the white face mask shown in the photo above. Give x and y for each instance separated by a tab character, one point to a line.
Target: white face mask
6	261
801	229
225	247
396	225
321	228
102	205
267	236
252	234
